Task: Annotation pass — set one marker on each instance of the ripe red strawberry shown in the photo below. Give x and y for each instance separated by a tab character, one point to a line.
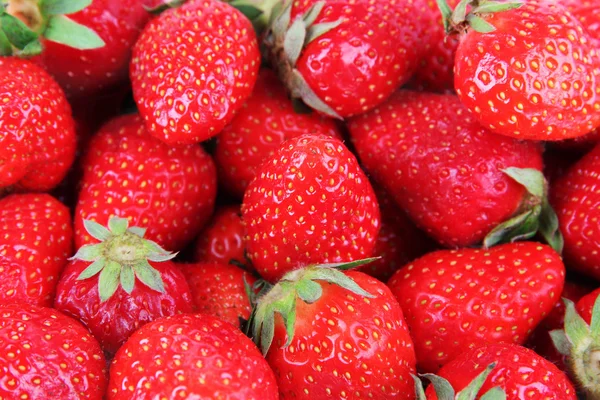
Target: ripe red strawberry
455	300
333	334
190	357
46	355
529	72
37	132
192	69
455	179
586	11
310	203
265	121
344	57
130	174
99	286
37	239
219	290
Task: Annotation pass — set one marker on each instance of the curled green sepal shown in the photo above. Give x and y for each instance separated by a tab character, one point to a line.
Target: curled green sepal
471	14
163	6
121	256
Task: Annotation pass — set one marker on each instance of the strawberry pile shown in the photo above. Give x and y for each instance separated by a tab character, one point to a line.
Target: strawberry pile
299	199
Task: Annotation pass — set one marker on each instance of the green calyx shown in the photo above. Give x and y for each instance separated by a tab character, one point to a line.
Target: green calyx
536	216
120	257
471	14
445	391
163	5
580	343
23	23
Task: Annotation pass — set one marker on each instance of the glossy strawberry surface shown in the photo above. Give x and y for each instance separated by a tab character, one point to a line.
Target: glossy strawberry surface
222	240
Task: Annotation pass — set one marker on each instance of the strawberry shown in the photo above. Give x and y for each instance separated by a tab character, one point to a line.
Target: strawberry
128	173
219	290
586	11
456	180
344	57
309	203
37	131
191	357
526	71
265	121
455	300
46	355
192	69
99	286
37	238
333	334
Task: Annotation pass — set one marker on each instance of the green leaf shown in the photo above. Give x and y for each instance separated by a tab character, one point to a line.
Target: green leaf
118	226
250	11
313	13
289	317
495	393
6	48
109	280
479	24
153	247
317	30
294	41
65	31
136	230
96	230
549	227
160	257
345	266
443	388
149	276
32	49
165	5
127	278
282	21
301	89
561	342
595	323
576	329
334	276
16	31
523	226
309	291
267	332
89	252
460	12
446	12
300	107
92	269
496	6
532	179
54	7
419	391
471	391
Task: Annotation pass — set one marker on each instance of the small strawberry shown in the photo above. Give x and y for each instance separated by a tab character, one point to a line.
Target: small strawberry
455	300
37	239
99	286
130	174
46	355
192	69
265	121
309	203
190	357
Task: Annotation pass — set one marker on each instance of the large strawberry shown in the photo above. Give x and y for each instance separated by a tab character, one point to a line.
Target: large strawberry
455	300
130	174
457	180
309	203
37	132
192	69
345	57
333	334
586	11
46	355
37	238
121	283
265	121
190	357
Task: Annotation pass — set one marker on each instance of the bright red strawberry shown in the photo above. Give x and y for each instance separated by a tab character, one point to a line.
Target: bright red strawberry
344	57
37	132
529	72
586	11
37	239
310	203
265	121
112	288
128	173
219	290
192	69
455	300
190	357
46	355
455	179
585	305
333	334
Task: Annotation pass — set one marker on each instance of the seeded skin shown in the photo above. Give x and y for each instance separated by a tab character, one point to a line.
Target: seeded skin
455	300
585	305
193	357
223	238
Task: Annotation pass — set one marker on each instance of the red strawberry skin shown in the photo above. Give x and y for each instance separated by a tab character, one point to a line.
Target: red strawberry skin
190	356
441	166
520	372
192	69
46	355
585	305
265	121
586	11
310	204
130	174
37	133
37	239
455	300
544	88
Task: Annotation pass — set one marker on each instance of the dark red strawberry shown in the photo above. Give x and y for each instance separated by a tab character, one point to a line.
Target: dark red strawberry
310	203
130	174
190	357
46	355
112	288
455	300
192	69
37	132
37	239
265	121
